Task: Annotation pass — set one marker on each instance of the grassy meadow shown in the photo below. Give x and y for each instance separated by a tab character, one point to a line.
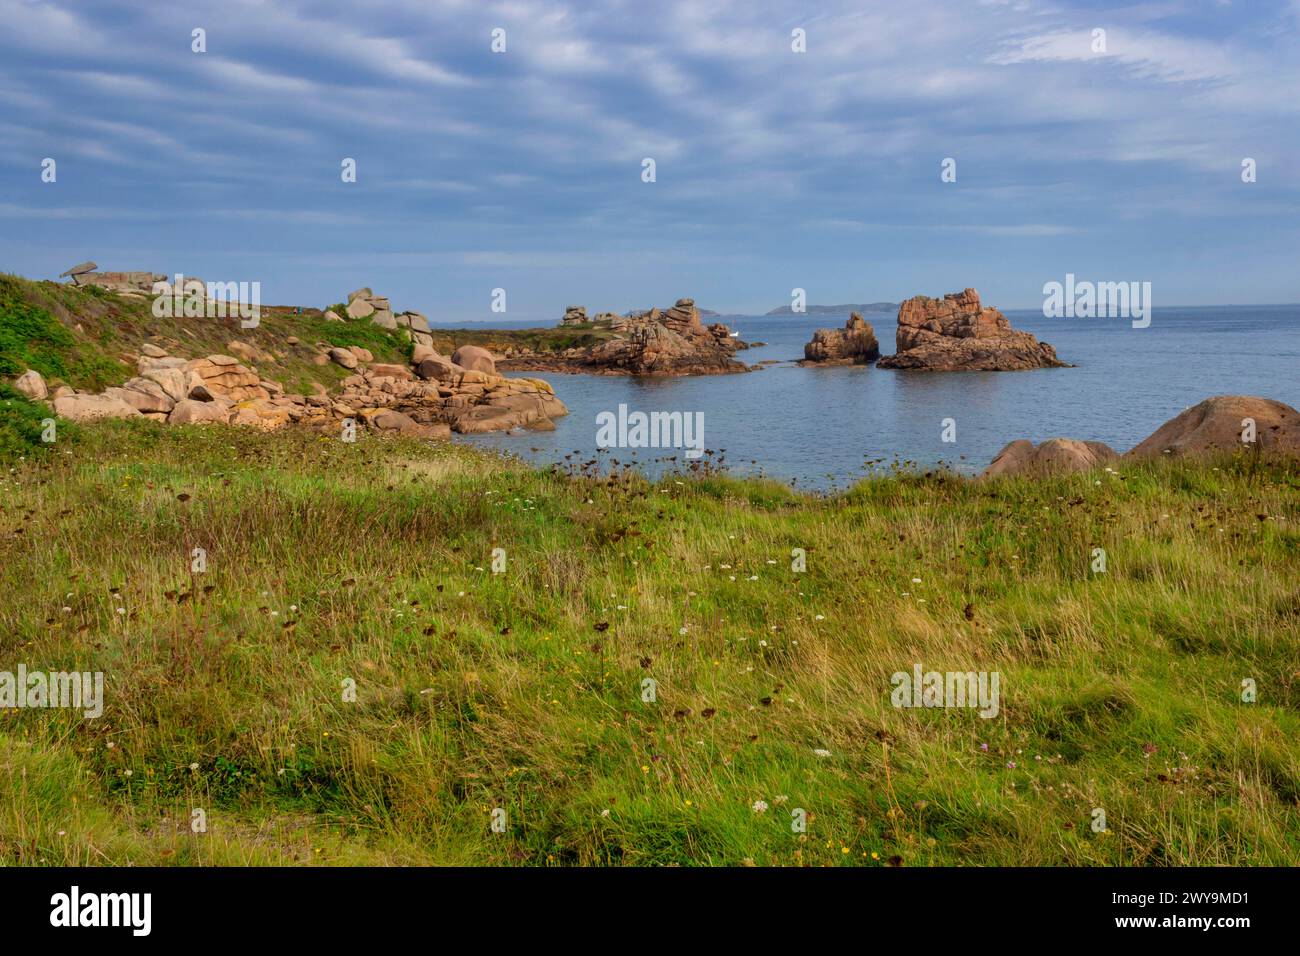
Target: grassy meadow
371	563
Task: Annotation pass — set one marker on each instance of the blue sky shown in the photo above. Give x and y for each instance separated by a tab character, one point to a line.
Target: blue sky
775	170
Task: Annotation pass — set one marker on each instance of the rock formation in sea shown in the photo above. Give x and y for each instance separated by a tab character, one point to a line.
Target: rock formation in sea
956	333
656	342
855	344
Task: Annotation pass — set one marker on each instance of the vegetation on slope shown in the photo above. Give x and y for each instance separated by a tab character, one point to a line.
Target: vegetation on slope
84	337
372	562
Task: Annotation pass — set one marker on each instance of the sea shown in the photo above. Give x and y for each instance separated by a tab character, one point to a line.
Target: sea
824	428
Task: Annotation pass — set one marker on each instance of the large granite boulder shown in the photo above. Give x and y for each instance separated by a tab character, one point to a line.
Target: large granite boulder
956	333
1221	423
189	412
144	395
224	377
1054	456
855	344
176	383
89	408
343	357
475	358
360	308
32	384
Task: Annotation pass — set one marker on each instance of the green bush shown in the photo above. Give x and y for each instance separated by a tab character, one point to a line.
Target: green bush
30	337
20	425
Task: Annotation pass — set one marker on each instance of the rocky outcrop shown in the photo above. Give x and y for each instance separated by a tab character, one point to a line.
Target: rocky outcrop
134	283
439	396
956	333
1052	457
79	270
1222	424
575	315
444	393
222	376
855	344
657	342
88	408
363	304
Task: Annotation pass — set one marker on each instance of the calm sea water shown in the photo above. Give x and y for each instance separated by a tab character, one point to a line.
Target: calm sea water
816	427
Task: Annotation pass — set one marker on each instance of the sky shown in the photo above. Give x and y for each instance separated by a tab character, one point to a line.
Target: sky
524	170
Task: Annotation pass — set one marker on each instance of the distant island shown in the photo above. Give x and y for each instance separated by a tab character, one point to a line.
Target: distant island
839	309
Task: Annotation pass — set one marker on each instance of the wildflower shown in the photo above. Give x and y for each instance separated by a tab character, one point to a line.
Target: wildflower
760	806
195	766
822	753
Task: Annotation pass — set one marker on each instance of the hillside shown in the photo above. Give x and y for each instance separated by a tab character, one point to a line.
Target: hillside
86	336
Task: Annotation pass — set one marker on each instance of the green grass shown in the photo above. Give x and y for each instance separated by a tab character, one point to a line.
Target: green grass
522	690
23	427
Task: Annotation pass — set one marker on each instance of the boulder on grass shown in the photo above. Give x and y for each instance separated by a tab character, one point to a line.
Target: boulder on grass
360	308
31	384
190	411
1054	456
88	408
343	357
1220	424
